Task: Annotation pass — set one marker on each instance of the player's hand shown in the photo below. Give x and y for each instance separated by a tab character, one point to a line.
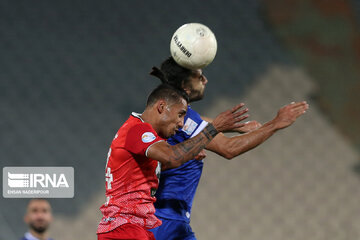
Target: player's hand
288	114
249	126
201	155
231	119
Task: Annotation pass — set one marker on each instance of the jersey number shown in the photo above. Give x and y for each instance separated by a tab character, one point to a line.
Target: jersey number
108	178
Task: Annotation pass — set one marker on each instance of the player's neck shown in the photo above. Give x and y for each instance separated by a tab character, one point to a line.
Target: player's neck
40	236
150	116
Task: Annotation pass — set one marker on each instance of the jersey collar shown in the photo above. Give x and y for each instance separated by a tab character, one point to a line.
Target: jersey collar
137	115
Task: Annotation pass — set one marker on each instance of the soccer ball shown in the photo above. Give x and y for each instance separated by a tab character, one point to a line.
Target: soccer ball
193	46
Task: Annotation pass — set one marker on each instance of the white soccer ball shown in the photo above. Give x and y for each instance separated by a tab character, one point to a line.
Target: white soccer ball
193	46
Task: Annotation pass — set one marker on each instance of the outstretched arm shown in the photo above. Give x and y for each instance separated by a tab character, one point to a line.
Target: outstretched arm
247	127
230	147
176	155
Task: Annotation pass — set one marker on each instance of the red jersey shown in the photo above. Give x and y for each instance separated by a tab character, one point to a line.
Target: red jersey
131	177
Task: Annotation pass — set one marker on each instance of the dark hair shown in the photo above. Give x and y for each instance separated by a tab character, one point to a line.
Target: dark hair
172	73
168	93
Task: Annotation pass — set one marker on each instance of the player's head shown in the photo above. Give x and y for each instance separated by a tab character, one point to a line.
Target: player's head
168	106
191	81
38	215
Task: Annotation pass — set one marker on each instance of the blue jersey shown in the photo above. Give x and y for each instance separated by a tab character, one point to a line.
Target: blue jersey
177	186
29	236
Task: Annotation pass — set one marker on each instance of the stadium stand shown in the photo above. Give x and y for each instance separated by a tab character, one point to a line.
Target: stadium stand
72	72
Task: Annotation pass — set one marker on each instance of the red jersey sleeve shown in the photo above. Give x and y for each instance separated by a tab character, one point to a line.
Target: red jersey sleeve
140	137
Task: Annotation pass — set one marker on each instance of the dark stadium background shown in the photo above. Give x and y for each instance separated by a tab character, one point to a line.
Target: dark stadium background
72	71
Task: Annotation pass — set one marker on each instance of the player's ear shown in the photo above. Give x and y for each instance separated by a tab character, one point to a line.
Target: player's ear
188	91
161	105
185	88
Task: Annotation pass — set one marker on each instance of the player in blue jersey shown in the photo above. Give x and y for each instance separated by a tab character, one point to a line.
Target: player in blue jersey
178	186
38	217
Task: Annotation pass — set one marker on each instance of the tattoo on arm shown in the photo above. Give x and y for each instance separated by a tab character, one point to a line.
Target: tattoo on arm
188	149
210	131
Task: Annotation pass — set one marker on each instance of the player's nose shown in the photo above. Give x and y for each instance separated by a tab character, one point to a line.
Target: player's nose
205	80
180	124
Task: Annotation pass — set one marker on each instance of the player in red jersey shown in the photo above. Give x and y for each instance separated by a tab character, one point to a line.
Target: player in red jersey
135	156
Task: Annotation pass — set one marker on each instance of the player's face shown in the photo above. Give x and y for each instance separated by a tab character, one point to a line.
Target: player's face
173	118
38	215
196	85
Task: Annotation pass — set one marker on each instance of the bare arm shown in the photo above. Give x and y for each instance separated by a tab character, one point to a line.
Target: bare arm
176	155
230	147
248	126
234	146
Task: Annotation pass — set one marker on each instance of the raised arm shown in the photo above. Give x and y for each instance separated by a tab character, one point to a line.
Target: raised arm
247	127
172	156
230	147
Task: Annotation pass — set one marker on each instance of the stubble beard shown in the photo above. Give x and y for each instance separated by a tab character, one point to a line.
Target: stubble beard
38	229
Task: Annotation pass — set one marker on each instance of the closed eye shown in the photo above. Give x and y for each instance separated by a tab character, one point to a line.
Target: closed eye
182	114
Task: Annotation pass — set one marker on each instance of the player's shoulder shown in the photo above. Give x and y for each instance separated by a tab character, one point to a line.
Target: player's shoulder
134	125
135	121
138	122
137	127
191	113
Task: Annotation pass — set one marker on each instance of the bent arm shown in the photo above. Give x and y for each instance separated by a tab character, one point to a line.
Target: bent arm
172	156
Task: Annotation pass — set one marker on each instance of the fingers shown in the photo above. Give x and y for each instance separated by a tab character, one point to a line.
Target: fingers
239	116
299	112
239	125
288	114
237	107
239	113
299	108
239	119
257	125
296	109
250	126
297	105
201	155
